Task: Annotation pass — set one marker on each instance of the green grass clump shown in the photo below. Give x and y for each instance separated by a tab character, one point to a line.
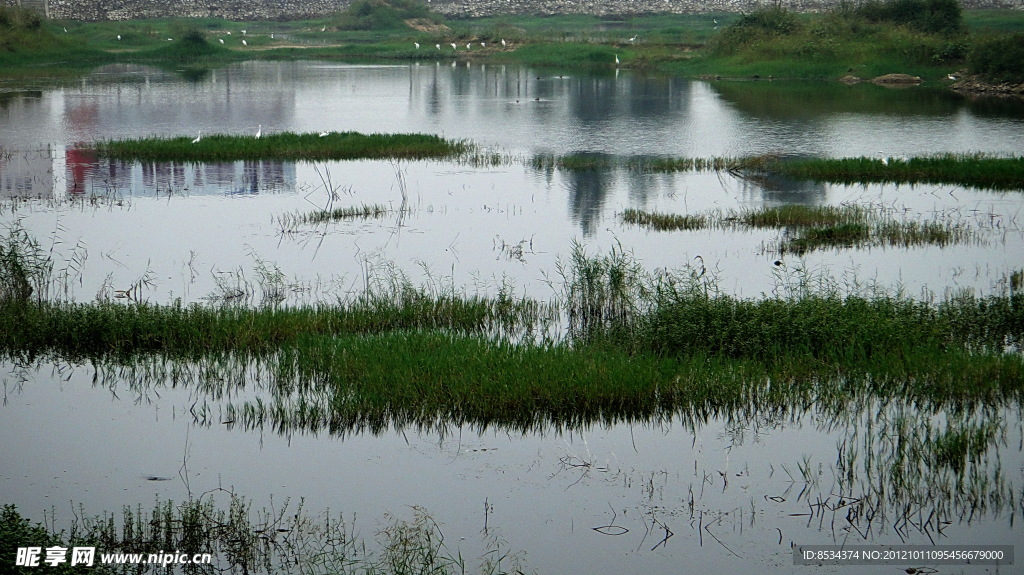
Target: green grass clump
664	222
839	235
284	146
25	267
802	216
189	45
18	532
565	55
363	212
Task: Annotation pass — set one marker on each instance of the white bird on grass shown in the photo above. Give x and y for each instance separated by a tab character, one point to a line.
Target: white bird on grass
454	47
885	160
468	45
221	40
417	45
259	131
244	43
633	39
616	59
199	137
243	32
229	32
438	46
118	36
324	29
324	134
503	42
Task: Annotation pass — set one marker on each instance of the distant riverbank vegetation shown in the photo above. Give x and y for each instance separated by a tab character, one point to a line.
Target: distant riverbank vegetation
933	39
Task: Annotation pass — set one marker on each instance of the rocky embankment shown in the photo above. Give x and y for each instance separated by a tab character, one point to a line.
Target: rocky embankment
974	86
301	9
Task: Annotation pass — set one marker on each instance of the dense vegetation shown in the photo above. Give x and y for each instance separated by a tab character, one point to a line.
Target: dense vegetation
381	15
999	58
928	38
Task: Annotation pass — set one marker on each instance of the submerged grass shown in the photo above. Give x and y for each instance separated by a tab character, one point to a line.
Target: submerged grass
809	228
638	345
361	212
284	146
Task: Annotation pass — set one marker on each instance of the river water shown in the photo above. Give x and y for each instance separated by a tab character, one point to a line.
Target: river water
735	490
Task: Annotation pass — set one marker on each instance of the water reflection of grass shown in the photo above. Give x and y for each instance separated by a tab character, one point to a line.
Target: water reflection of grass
284	539
968	170
283	146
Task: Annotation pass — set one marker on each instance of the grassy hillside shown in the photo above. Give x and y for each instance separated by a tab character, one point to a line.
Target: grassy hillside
26	40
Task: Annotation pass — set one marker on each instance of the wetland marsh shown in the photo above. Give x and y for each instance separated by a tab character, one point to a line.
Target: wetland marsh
497	341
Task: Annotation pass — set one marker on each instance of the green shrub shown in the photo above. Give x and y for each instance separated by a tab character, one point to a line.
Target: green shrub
998	58
935	16
14	18
756	26
381	14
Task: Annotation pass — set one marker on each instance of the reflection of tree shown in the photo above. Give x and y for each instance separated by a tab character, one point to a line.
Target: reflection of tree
794	101
593	99
587	191
775	189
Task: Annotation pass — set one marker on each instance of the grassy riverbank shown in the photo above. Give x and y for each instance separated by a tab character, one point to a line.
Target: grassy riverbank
765	43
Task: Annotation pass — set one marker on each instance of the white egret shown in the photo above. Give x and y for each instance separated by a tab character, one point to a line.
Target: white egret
616	59
324	134
468	45
221	40
417	45
259	131
243	32
633	39
503	42
229	32
199	137
271	35
244	43
324	29
885	160
118	37
454	47
170	39
483	44
65	30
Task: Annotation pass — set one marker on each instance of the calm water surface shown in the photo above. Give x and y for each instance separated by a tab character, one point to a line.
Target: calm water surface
734	490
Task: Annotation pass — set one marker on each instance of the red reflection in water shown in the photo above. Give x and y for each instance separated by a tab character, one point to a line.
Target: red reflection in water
81	165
